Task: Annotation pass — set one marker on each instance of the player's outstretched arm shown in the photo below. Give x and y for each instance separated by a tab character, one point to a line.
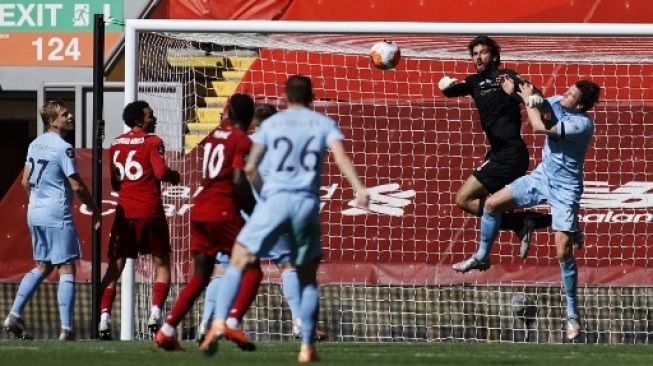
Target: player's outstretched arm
450	87
534	114
79	187
348	169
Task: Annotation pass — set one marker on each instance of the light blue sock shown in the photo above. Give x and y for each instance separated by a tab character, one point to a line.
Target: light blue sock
227	291
290	288
308	309
210	294
569	274
66	297
490	224
28	286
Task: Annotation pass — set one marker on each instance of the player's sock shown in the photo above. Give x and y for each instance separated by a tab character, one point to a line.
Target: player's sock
66	298
186	298
569	274
159	294
227	292
233	323
108	296
27	288
310	302
209	301
290	289
168	329
490	223
246	293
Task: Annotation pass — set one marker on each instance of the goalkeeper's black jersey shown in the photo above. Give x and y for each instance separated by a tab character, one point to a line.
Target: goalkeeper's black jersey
499	112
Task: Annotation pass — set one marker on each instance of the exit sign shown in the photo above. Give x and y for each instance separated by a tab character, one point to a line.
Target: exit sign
54	32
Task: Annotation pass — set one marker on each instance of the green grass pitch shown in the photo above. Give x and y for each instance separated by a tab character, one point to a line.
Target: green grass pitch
141	353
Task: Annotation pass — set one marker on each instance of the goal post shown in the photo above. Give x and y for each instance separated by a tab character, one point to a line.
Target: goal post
386	273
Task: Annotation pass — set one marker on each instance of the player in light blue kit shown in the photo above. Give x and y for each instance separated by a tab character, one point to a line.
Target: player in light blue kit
50	177
293	142
557	180
280	254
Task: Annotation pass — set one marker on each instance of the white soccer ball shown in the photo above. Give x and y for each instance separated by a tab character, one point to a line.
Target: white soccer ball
385	55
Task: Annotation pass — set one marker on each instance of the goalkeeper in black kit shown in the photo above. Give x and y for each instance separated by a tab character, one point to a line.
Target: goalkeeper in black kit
508	157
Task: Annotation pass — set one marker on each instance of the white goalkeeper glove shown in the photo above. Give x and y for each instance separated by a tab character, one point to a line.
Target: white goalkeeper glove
446	82
534	101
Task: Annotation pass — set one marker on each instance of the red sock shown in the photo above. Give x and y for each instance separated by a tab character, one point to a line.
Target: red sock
246	293
159	294
186	298
108	296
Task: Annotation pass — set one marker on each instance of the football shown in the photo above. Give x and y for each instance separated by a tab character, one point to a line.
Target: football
385	55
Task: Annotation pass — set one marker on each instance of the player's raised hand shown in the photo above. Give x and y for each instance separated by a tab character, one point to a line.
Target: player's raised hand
534	101
507	84
362	198
531	100
446	83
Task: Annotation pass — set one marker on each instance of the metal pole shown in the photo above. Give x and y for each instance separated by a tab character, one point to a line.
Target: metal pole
98	138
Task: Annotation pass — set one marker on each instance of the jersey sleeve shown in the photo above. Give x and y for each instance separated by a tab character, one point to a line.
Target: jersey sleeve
157	157
572	126
242	149
554	99
333	132
259	136
67	160
459	89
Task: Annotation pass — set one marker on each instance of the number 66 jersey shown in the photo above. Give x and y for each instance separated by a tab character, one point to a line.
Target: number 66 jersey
137	168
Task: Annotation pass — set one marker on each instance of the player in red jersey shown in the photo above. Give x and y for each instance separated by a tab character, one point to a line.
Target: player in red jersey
138	167
215	216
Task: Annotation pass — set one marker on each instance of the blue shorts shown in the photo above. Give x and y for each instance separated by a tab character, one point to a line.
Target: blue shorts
56	245
563	198
292	213
281	252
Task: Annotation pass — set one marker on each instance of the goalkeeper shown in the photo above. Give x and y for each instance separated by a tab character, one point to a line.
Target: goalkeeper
507	158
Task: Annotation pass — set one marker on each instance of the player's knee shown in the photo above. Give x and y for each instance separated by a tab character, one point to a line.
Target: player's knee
45	267
563	246
67	268
462	200
241	257
490	205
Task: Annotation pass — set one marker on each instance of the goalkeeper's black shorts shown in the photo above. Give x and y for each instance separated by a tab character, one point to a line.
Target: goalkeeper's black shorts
498	170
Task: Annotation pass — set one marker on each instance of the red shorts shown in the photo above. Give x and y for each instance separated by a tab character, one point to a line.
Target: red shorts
130	237
211	237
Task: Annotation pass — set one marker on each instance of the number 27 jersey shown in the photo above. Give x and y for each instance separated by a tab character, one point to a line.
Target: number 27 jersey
224	150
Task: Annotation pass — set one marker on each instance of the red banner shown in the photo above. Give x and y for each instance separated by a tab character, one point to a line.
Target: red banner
562	11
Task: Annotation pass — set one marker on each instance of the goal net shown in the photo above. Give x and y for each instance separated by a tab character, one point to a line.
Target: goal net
386	273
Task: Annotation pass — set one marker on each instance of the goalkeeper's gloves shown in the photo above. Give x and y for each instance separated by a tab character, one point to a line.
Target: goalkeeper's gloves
446	83
534	101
